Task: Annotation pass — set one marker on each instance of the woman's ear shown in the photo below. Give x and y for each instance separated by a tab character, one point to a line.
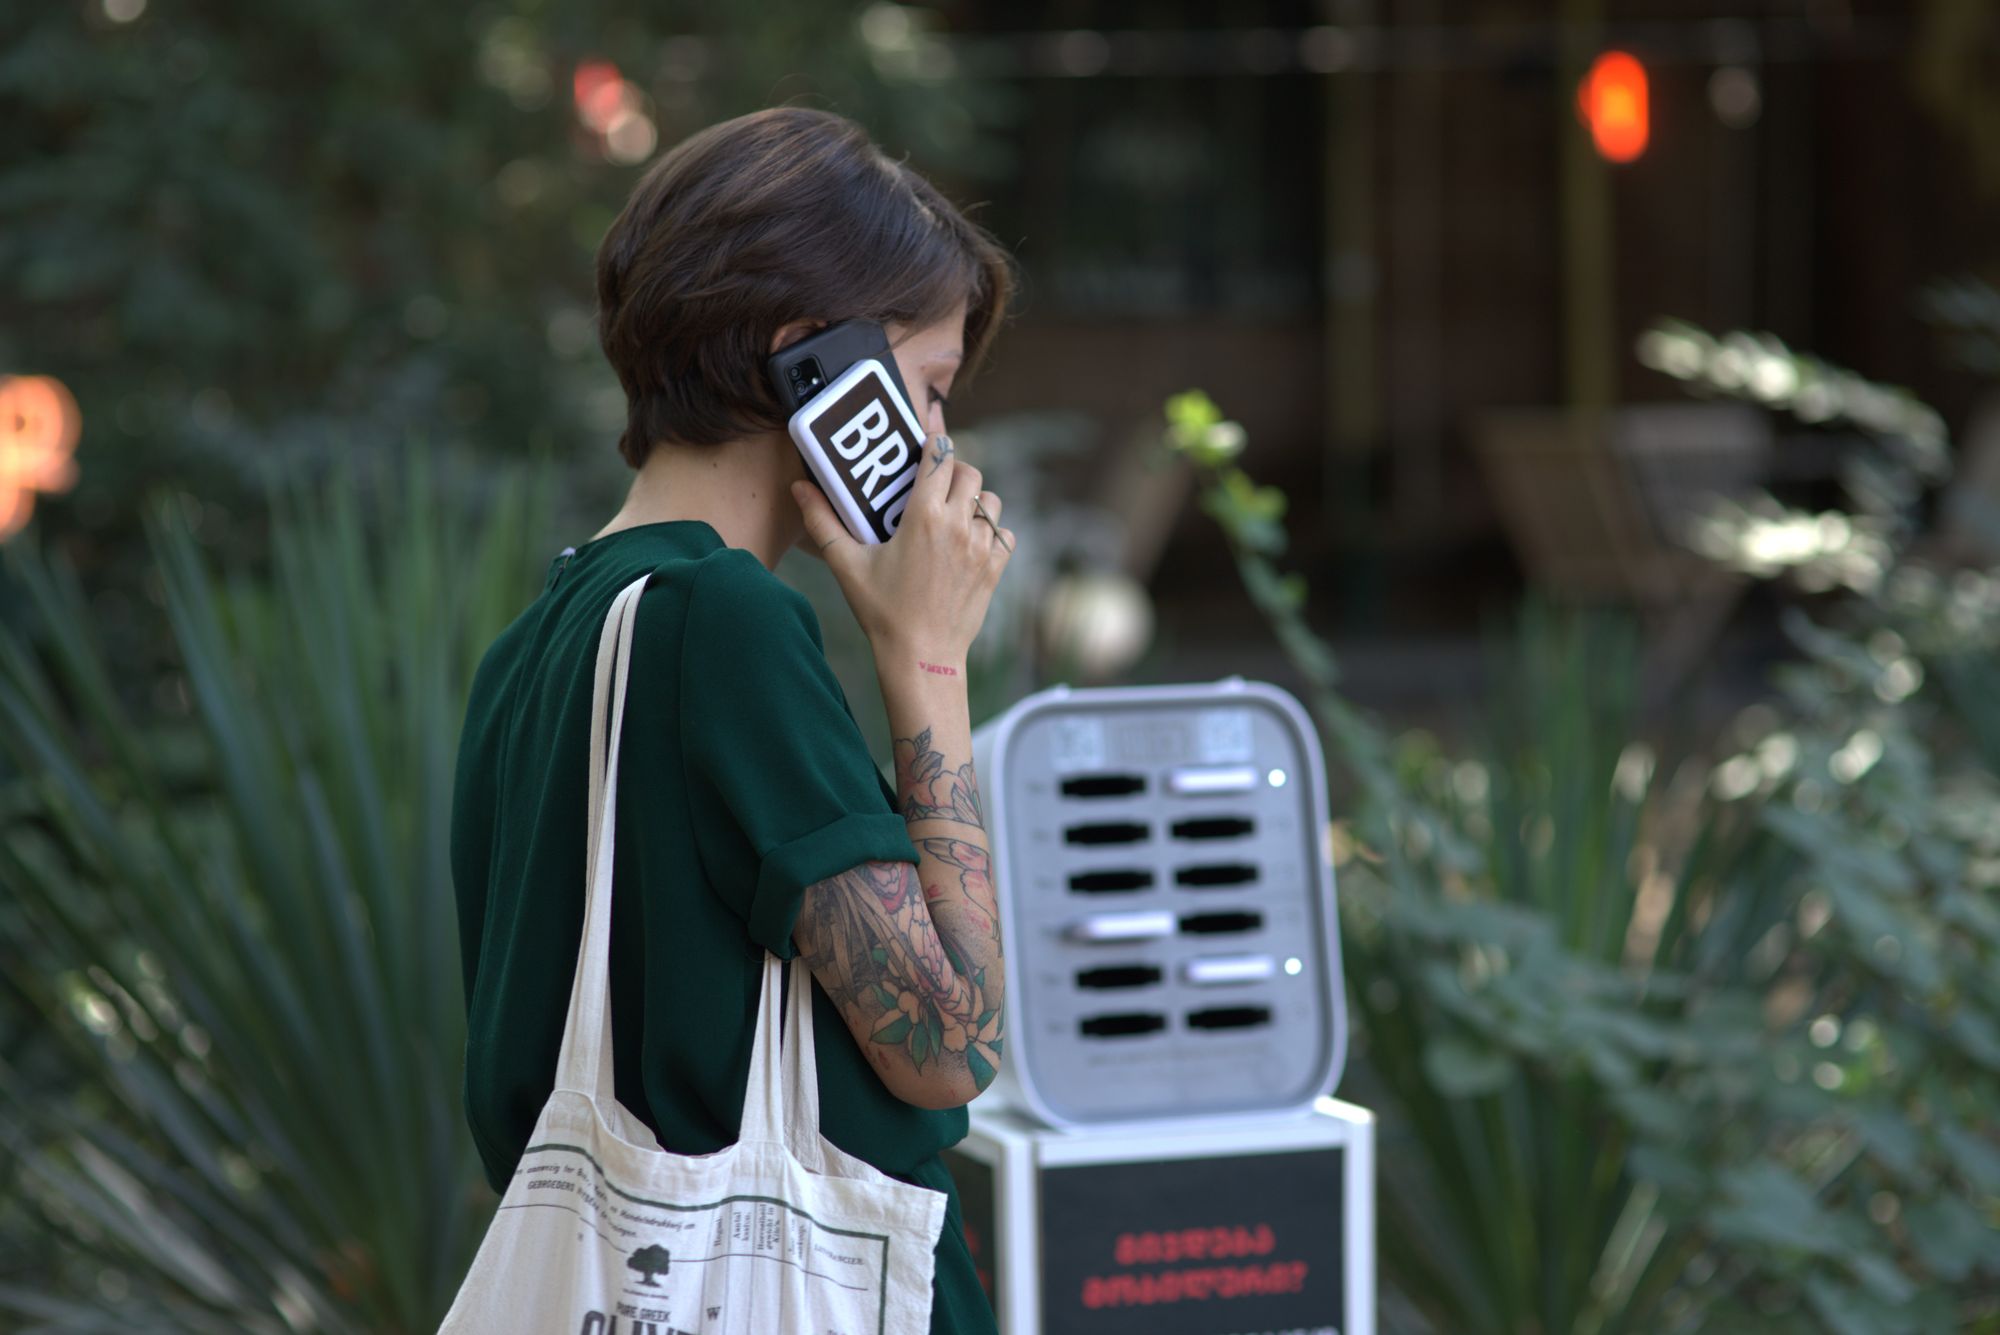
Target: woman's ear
791	333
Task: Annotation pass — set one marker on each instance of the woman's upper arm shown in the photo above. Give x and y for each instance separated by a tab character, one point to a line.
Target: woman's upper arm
782	789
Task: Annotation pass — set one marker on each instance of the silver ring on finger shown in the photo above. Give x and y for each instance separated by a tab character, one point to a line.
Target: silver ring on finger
979	509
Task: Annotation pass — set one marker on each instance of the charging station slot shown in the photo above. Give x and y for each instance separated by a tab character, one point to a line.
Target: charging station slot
1125	1025
1214	827
1119	975
1216	873
1217	924
1229	970
1230	1017
1139	925
1103	785
1203	779
1110	882
1108	832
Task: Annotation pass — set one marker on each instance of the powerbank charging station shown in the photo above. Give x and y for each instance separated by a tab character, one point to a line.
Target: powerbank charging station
1162	1153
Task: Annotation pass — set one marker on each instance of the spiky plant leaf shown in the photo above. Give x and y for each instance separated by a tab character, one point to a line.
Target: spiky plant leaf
240	921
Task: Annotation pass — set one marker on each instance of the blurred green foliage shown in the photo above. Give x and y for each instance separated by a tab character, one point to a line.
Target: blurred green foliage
1696	1045
232	919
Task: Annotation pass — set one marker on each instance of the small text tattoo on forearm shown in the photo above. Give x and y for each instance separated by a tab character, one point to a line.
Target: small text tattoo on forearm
939	668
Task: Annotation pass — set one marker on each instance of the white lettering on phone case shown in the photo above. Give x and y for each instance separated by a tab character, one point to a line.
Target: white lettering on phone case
899	486
864	427
889	456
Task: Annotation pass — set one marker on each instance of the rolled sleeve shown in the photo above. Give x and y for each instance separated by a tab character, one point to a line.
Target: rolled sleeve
781	784
789	868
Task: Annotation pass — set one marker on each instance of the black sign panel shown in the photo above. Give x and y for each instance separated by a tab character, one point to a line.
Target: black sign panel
1236	1245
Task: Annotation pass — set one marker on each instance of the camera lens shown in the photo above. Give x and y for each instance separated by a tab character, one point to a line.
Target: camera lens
798	372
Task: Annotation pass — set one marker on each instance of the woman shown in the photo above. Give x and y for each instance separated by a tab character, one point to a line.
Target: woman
751	815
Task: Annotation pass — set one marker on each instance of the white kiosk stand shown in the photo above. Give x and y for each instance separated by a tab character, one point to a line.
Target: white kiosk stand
1264	1228
1161	1156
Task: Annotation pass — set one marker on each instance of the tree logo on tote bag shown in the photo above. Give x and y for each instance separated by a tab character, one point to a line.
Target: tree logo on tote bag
651	1261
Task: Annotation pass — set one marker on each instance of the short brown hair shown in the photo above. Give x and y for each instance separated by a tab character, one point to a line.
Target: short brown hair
785	214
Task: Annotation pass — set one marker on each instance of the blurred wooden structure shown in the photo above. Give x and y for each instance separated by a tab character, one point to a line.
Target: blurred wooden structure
1597	505
1359	227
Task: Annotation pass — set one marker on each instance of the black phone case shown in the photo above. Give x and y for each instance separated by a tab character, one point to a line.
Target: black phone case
833	349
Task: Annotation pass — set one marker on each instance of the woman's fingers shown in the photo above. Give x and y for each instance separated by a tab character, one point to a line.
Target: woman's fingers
965	485
988	515
933	472
930	585
949	483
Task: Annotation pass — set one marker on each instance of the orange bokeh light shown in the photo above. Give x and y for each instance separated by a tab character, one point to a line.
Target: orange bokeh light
1611	100
39	426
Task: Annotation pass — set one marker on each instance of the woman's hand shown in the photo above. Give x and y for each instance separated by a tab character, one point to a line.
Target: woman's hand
924	593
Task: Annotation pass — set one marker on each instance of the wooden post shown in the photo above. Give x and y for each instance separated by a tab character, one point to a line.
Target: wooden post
1590	378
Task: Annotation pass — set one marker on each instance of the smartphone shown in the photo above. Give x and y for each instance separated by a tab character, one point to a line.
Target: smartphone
852	422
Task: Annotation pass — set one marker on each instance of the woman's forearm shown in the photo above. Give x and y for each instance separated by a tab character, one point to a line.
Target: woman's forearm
939	796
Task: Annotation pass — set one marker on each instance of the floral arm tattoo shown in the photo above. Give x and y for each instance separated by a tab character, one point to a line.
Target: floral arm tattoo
929	789
974	901
909	948
871	931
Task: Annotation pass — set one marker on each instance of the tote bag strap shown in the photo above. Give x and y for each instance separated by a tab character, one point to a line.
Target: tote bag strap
764	1092
781	1098
801	1070
781	1081
584	1064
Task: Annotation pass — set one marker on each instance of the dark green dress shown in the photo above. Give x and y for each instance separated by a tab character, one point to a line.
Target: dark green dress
743	778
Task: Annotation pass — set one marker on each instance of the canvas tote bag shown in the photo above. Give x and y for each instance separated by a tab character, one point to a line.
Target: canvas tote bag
602	1232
